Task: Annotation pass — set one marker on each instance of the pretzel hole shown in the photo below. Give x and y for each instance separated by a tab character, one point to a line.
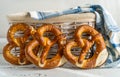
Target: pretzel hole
39	51
86	36
53	51
91	51
19	34
50	35
15	51
76	51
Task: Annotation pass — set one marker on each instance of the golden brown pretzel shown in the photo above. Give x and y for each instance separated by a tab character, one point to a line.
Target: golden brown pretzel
13	59
27	30
17	42
46	28
46	43
100	54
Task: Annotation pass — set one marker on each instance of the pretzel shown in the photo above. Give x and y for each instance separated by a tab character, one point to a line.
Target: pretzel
17	42
100	54
27	30
46	44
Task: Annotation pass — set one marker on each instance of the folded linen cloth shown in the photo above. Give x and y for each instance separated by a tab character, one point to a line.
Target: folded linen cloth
104	24
25	17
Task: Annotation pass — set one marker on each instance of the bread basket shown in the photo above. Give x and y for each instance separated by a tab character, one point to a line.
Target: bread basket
66	23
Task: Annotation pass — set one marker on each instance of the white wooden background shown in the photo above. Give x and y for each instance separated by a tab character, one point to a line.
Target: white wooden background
13	6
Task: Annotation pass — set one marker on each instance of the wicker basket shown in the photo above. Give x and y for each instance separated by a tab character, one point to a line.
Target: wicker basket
66	23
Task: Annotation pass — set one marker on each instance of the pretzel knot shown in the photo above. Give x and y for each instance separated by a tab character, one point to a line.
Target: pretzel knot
46	43
99	55
19	41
